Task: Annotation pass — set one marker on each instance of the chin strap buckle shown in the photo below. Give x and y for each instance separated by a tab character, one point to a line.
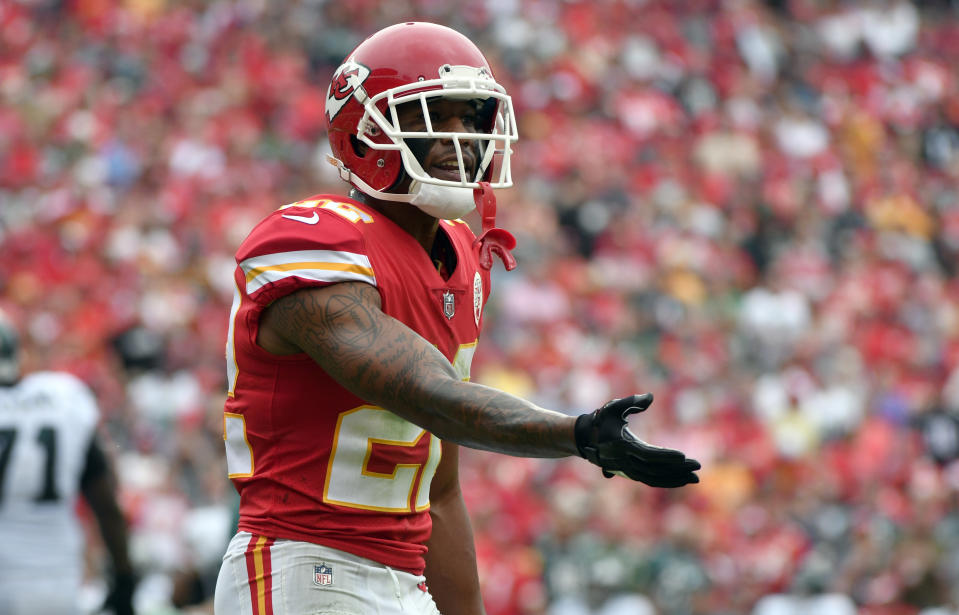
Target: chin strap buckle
492	240
345	174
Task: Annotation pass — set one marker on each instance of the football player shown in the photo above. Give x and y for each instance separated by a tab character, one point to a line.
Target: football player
353	327
49	455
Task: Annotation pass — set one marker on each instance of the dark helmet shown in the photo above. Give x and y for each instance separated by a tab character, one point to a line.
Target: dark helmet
9	352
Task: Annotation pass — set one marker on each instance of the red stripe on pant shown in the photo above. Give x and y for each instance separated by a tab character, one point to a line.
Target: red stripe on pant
259	572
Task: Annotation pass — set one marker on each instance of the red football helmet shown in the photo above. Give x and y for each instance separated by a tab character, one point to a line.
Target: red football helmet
416	62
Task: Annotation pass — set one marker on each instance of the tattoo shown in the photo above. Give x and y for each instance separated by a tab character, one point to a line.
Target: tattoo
381	360
519	427
341	322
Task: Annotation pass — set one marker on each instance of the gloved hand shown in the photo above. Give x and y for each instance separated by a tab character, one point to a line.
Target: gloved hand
120	598
603	437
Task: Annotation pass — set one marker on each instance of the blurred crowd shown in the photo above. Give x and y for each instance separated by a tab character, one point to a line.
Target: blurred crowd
750	209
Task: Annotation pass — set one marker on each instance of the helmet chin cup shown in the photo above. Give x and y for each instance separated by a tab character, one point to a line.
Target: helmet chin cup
443	202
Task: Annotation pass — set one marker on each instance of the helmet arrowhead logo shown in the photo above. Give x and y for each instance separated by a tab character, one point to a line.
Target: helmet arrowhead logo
342	84
347	79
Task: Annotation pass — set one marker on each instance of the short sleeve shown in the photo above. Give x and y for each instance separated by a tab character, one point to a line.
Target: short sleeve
301	247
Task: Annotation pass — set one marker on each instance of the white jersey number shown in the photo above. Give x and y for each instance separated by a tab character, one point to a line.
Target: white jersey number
365	437
369	434
351	482
46	440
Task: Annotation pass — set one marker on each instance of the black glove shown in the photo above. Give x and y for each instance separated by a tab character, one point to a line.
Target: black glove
120	598
603	437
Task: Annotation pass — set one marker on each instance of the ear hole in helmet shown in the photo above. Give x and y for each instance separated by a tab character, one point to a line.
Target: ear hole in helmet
359	148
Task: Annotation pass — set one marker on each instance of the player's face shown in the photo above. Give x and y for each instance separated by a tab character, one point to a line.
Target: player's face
438	156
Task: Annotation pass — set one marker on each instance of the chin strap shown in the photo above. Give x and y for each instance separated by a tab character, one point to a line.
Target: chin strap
492	240
354	180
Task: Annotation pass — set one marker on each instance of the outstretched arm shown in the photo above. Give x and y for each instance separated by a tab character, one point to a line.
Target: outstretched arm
381	360
384	362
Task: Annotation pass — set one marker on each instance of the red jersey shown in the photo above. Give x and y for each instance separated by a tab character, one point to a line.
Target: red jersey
311	461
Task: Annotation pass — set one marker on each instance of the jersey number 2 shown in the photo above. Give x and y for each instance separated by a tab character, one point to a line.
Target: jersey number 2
354	479
377	461
369	434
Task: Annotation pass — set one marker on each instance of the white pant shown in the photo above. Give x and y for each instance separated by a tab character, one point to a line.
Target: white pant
261	576
45	594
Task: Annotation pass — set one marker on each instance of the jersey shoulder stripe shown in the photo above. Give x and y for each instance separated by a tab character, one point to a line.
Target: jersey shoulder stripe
327	266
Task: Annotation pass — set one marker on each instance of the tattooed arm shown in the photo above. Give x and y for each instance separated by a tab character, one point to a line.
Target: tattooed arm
382	361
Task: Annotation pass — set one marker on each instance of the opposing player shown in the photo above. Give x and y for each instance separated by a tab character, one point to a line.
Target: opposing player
353	328
49	455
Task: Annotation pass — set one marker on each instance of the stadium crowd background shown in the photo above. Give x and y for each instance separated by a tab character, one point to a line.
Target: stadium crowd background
749	209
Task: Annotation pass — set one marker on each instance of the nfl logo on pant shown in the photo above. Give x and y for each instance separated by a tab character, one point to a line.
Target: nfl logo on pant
322	575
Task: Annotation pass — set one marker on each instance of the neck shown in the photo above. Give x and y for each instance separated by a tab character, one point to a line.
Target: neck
422	226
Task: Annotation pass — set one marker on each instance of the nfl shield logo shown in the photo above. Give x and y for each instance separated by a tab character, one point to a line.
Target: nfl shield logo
449	307
322	575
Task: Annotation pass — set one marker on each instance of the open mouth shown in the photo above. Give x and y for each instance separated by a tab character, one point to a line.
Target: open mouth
449	170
